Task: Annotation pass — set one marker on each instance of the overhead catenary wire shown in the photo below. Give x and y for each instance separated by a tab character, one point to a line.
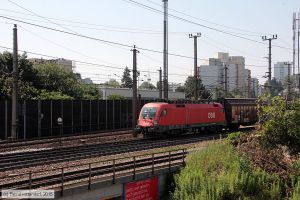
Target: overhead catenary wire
39	15
201	25
214	23
96	39
77	61
96	64
155	32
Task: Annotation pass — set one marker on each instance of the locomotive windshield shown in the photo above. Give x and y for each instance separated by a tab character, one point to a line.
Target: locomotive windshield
148	112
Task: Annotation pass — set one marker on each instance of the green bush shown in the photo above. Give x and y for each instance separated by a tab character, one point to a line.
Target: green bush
296	191
233	137
281	122
217	172
115	97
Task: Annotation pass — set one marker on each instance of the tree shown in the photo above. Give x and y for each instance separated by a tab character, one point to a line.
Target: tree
280	121
276	87
190	87
112	83
90	92
219	92
236	93
26	80
147	85
54	79
180	89
126	79
42	81
53	95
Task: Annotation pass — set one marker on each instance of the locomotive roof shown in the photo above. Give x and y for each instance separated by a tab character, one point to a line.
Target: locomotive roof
164	103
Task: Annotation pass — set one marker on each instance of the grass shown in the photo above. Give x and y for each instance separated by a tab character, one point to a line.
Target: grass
217	172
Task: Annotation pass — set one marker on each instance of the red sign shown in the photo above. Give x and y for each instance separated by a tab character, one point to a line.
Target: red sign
142	190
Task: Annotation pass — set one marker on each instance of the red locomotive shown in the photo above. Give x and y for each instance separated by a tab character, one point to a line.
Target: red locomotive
171	118
177	118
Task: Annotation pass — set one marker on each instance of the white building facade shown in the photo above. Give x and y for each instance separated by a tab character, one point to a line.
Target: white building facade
280	71
212	73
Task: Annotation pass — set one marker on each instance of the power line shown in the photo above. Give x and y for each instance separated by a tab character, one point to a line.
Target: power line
76	61
205	20
61	46
155	32
117	29
96	39
39	15
99	65
66	32
89	24
198	24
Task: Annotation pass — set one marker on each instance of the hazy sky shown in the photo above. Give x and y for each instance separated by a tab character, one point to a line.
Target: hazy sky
124	22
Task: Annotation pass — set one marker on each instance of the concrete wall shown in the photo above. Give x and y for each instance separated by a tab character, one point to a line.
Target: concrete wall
107	190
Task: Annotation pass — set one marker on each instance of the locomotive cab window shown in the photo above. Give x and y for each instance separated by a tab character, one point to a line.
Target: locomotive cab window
149	112
163	113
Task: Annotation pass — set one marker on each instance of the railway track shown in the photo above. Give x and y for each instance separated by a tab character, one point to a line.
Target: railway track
111	168
45	157
40	141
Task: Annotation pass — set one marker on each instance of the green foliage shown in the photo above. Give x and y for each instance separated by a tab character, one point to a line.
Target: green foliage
61	83
147	85
296	192
281	122
236	93
89	92
43	81
126	79
53	77
180	89
190	87
276	87
232	137
53	95
296	166
112	83
115	97
217	172
26	79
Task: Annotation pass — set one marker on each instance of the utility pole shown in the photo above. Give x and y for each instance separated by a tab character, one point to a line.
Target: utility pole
253	88
298	38
264	38
14	114
249	86
165	79
294	41
195	63
226	80
134	88
289	80
160	83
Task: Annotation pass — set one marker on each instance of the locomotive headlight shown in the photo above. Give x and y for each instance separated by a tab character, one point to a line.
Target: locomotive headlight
155	123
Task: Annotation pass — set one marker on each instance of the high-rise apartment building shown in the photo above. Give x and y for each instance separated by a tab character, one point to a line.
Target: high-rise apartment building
280	71
212	73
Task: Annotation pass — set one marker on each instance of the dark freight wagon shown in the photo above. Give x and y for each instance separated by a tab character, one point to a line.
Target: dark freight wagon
240	111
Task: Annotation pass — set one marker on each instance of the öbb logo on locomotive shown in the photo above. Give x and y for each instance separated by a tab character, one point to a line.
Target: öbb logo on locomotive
211	115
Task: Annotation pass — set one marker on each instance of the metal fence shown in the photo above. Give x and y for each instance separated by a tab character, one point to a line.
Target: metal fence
90	173
38	118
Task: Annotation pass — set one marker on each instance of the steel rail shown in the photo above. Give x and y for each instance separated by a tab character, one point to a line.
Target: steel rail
31	159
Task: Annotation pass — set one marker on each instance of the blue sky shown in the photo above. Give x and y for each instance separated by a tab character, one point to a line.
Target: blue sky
123	22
